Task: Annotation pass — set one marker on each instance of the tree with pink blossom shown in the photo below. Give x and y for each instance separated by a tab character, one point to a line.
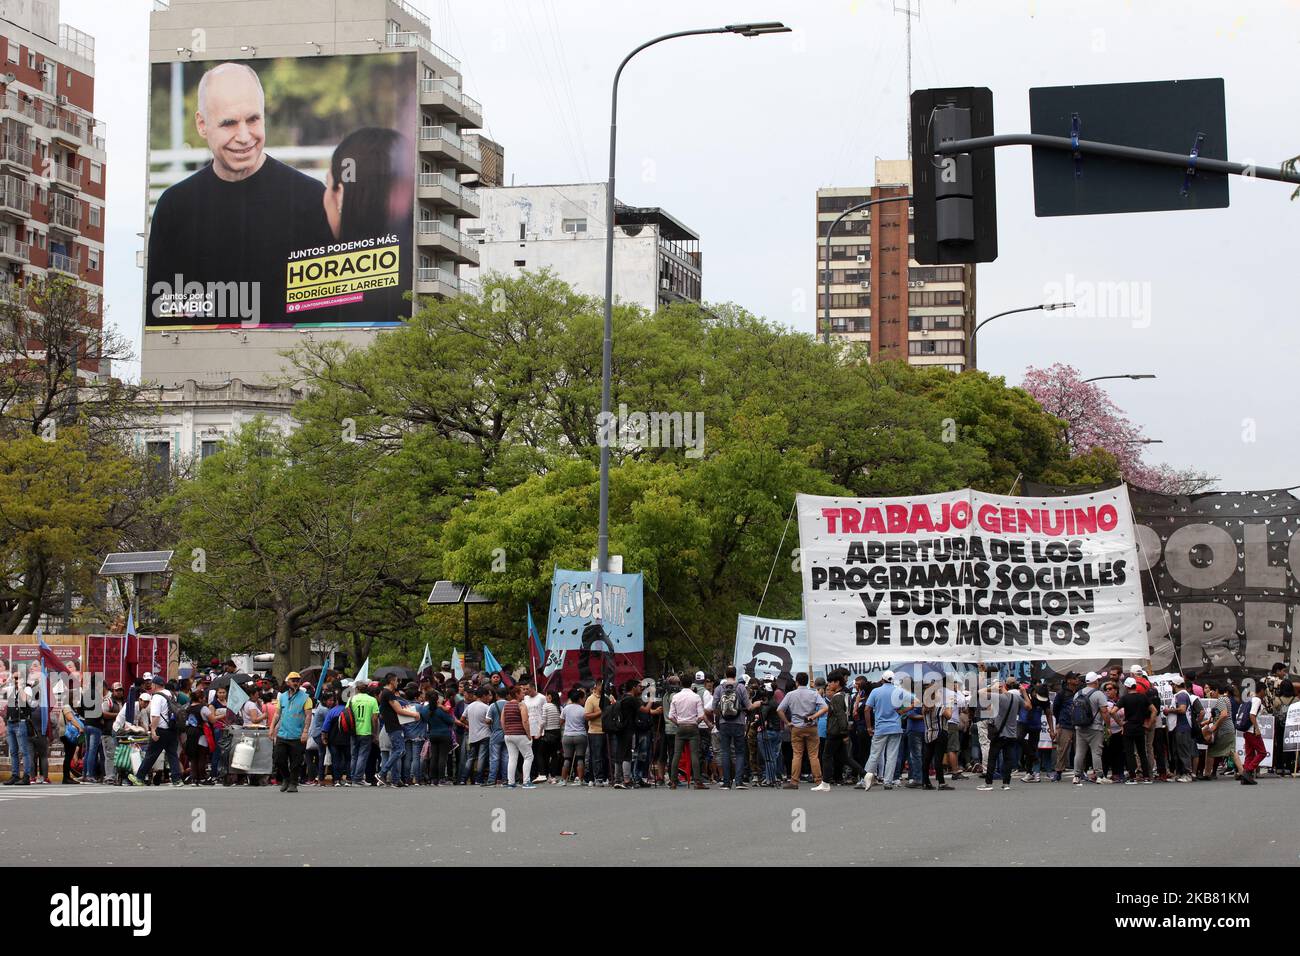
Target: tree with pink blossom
1090	420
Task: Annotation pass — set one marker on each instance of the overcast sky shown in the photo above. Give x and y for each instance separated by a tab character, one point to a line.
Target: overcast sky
733	136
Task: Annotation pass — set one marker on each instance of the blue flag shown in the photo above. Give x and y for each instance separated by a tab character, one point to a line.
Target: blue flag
492	666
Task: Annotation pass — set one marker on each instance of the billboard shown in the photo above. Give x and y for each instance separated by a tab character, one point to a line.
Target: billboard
595	628
967	576
282	192
1220	579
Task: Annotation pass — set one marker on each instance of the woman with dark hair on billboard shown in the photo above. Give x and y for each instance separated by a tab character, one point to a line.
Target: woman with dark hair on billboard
369	194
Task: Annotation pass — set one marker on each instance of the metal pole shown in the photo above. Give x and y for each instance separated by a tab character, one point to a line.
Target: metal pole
970	339
826	311
607	346
1118	152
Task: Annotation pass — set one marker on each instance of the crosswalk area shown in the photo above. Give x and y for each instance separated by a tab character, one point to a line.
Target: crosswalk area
55	791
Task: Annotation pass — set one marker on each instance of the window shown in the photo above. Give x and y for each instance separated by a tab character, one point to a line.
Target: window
11	53
935	298
208	448
522	227
67	78
852	226
842	276
31	60
94	215
42	242
96	172
159	454
936	347
940	322
574	225
838	203
846	300
520	263
92	259
936	274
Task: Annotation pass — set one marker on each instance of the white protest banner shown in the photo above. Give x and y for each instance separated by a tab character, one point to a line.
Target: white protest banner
765	647
968	576
1291	731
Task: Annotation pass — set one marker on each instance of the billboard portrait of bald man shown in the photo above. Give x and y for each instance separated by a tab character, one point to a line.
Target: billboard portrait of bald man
235	220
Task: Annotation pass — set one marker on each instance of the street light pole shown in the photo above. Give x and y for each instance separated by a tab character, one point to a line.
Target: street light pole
970	339
607	351
1102	378
826	312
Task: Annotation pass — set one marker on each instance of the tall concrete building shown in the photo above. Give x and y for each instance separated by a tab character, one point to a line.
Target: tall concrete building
212	380
878	294
52	162
258	29
562	228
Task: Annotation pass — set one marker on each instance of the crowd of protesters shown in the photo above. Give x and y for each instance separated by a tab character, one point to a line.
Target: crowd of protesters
683	731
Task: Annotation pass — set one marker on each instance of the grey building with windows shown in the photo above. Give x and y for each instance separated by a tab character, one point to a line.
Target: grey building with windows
561	227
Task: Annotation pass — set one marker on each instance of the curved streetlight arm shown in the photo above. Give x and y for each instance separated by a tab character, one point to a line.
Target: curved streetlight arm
1103	378
970	339
826	312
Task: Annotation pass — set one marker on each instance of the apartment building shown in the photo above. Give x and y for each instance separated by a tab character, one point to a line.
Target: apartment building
561	227
52	161
876	292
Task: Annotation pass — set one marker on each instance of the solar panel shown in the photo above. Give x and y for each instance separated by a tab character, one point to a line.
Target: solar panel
473	597
445	592
136	562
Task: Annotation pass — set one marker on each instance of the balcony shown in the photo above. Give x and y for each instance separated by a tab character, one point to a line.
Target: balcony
11	250
65	217
64	177
421	42
440	95
14	107
446	240
443	283
443	190
15	198
16	159
69	131
451	148
66	264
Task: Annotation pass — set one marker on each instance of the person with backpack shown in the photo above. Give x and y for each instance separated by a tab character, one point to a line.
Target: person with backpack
336	739
164	715
1004	707
18	731
731	707
1086	713
1248	723
198	740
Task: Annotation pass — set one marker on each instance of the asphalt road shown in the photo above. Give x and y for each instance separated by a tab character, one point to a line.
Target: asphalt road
1221	823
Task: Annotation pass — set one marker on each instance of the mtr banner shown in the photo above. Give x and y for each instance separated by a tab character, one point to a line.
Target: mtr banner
968	576
281	192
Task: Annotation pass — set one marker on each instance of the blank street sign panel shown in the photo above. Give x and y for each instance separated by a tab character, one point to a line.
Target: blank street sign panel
1165	116
138	562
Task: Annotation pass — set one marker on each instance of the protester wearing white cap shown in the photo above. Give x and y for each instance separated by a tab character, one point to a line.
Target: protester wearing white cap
1138	712
1087	716
885	727
1184	747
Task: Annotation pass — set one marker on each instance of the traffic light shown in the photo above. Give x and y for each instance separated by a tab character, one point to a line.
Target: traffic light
954	218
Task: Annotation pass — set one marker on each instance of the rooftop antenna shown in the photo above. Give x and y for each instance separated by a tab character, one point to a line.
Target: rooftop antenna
911	13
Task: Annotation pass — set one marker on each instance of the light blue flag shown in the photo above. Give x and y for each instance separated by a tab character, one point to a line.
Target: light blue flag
457	668
426	662
236	698
492	666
